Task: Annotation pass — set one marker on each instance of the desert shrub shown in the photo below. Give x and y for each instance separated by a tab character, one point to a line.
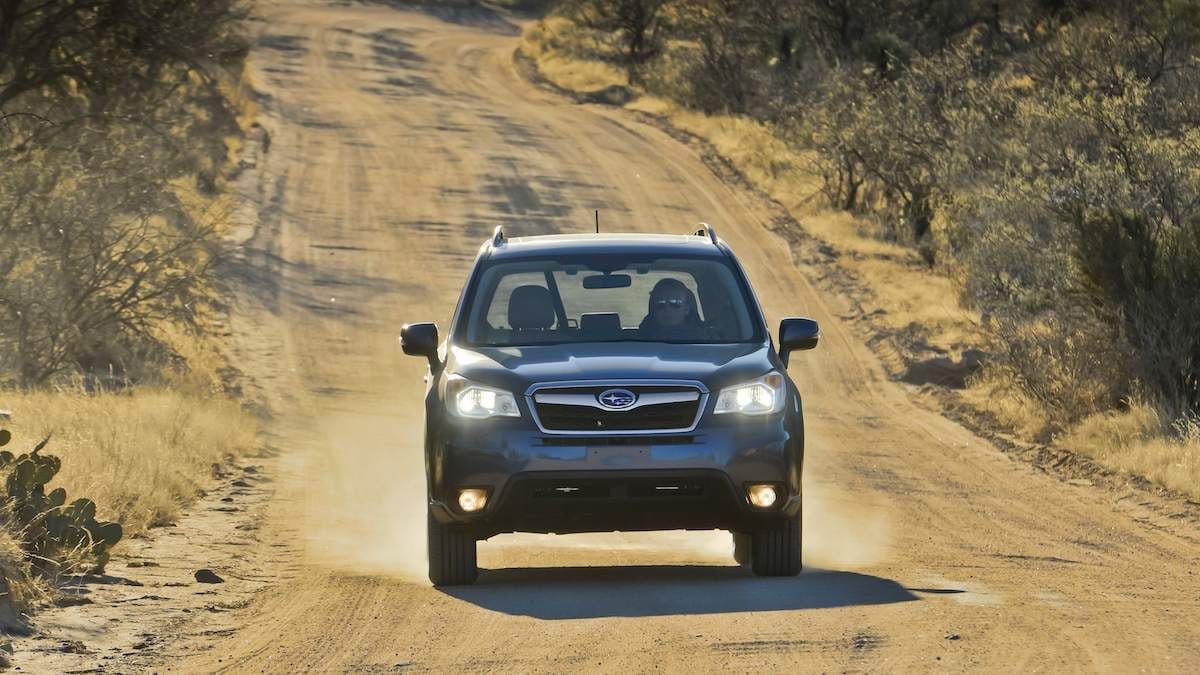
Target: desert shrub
887	54
1089	209
103	254
112	121
1074	365
636	24
57	537
1043	154
724	72
1057	152
667	75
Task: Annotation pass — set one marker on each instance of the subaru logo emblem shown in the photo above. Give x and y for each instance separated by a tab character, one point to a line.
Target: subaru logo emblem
617	399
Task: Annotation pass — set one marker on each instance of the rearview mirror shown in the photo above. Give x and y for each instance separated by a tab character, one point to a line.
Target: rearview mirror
421	339
797	333
608	281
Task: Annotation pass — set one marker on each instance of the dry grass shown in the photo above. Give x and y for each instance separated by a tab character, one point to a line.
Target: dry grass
997	390
757	152
554	45
18	589
572	75
140	455
1141	441
854	236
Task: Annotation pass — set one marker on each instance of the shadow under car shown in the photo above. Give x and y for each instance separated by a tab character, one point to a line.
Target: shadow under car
660	590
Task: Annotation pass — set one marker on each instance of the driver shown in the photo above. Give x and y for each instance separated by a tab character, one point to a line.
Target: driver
672	312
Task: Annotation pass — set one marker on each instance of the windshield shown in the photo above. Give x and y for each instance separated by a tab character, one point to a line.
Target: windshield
610	299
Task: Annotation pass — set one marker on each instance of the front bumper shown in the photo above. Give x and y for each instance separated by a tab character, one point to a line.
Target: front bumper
540	483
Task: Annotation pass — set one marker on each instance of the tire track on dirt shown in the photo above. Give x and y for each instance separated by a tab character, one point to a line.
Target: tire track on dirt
401	137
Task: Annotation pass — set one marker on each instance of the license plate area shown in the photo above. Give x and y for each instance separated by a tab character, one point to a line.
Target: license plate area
618	456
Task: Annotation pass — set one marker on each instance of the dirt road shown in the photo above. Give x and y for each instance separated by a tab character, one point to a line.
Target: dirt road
398	139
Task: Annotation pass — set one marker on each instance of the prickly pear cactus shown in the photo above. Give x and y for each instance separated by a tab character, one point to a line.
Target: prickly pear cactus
52	531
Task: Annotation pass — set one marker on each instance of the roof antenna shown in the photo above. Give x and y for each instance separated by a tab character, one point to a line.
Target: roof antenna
597	221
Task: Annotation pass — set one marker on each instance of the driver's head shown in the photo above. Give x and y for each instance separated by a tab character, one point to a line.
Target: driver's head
670	302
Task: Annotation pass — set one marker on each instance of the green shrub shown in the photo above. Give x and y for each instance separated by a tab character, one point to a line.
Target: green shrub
56	536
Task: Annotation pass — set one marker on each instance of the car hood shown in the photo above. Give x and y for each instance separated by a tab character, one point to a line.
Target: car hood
517	368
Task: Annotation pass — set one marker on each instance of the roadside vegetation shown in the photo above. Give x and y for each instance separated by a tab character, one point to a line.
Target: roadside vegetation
1013	187
119	122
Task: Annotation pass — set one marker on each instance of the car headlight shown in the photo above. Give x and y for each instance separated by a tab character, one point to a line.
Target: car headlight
756	397
467	399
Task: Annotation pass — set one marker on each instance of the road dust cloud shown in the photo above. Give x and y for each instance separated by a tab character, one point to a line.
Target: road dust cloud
366	494
365	497
842	531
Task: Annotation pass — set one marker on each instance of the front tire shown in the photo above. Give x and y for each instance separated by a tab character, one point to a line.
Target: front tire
451	554
775	548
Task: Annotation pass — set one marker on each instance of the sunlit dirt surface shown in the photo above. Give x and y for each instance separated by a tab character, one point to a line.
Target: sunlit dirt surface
398	139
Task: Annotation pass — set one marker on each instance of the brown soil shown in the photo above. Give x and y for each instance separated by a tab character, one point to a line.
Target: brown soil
399	139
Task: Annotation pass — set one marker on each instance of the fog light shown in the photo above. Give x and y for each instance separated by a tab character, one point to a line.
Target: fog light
472	499
763	496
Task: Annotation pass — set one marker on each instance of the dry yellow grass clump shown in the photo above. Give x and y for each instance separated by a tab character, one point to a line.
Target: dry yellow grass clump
140	455
553	44
997	390
18	590
1140	441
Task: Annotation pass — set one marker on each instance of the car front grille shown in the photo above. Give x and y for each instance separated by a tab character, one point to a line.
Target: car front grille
658	408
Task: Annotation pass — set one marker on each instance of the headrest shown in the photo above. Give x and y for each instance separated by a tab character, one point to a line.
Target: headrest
530	307
600	324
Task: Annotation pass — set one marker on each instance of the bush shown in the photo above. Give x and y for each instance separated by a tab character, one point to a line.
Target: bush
1073	365
57	537
1042	156
637	25
1091	209
109	114
106	252
1058	152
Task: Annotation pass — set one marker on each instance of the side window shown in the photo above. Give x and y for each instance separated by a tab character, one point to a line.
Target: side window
497	315
720	301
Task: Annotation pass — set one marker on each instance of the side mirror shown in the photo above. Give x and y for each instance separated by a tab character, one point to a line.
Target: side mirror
421	339
797	333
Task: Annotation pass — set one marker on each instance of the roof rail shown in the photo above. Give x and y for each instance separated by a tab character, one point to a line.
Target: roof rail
498	235
706	230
